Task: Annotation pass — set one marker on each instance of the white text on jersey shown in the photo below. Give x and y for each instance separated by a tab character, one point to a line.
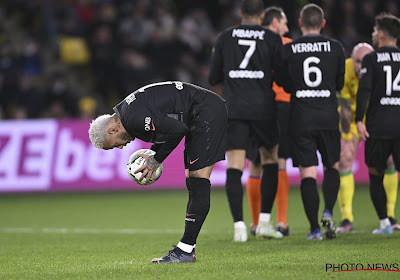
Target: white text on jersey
382	57
311	47
147	121
242	33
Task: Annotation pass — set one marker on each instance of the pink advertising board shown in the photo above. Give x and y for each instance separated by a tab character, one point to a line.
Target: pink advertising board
52	155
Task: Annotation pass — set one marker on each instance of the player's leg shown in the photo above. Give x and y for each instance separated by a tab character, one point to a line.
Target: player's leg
238	135
376	154
305	157
234	192
310	198
282	193
254	193
390	183
346	189
269	185
267	133
282	196
198	184
204	146
329	146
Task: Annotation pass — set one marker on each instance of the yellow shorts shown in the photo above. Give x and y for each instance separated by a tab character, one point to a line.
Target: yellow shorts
353	131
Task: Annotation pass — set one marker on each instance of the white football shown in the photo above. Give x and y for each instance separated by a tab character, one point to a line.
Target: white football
135	162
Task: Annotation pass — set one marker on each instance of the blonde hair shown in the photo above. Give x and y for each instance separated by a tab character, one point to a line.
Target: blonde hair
98	130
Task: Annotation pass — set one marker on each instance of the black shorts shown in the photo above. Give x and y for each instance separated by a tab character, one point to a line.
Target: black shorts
305	147
205	144
377	152
253	152
263	132
285	144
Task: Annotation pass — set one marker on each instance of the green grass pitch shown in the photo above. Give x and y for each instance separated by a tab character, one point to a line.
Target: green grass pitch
115	235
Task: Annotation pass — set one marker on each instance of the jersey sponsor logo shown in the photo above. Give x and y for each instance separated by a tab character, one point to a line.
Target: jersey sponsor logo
193	161
147	121
152	126
390	101
243	33
130	98
311	47
246	74
190	219
312	93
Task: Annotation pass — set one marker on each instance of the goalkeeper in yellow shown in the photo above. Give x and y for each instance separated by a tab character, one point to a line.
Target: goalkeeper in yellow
350	141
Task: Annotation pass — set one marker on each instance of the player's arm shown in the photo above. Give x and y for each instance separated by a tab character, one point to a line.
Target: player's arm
344	99
341	69
173	131
363	94
281	75
345	114
216	74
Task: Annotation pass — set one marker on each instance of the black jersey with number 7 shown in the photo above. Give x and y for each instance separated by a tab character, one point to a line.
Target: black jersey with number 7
243	59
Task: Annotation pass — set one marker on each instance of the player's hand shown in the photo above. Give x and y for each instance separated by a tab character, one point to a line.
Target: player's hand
362	131
149	168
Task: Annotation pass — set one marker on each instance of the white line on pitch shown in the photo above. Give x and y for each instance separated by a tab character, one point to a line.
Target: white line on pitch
90	231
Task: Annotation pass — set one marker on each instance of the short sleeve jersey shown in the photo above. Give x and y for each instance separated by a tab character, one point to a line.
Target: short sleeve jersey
379	86
243	59
315	67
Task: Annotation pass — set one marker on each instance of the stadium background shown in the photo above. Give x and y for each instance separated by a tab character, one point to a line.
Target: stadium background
64	62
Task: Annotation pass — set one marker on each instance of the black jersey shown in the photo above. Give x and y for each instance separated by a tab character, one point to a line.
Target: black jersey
243	59
315	66
380	85
161	112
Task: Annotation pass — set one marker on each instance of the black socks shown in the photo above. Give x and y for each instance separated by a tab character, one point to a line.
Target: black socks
330	187
310	197
234	191
197	208
269	185
378	195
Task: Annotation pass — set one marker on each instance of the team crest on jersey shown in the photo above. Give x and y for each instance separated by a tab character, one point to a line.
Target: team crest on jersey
147	121
130	98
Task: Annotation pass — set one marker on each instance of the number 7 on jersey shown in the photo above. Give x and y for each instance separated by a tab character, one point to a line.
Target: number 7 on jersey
249	53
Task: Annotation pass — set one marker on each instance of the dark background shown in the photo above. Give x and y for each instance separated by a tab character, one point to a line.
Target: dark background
127	44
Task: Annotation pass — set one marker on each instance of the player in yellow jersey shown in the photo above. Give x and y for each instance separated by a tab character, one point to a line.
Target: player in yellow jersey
349	143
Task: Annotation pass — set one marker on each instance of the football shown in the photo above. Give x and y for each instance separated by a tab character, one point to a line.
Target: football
135	162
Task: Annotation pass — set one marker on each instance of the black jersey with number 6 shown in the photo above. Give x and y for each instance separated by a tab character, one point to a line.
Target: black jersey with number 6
316	66
244	58
380	84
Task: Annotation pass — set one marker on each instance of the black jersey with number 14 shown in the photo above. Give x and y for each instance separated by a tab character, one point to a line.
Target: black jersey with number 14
380	85
316	66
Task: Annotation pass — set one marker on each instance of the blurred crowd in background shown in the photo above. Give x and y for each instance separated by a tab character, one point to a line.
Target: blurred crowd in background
78	58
